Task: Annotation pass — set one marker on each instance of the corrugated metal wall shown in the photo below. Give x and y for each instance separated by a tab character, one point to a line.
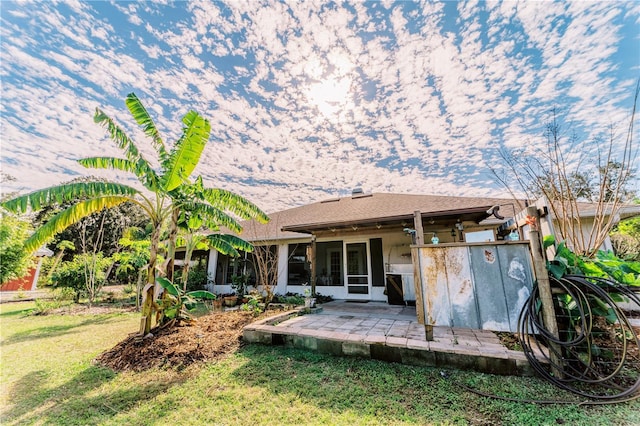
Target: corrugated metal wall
479	286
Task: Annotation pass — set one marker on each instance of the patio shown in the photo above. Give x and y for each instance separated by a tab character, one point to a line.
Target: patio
390	333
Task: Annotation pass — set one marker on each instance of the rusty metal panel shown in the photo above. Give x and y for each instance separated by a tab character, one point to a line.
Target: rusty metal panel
475	286
434	281
492	304
517	278
462	297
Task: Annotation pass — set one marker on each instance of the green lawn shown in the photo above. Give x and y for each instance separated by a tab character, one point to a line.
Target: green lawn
48	378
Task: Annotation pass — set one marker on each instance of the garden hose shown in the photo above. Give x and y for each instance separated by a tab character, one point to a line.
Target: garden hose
601	374
588	369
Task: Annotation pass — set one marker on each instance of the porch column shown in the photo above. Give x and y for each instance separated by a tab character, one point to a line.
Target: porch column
417	225
544	287
283	268
211	269
313	265
417	274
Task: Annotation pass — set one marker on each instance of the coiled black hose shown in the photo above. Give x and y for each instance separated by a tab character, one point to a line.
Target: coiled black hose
595	359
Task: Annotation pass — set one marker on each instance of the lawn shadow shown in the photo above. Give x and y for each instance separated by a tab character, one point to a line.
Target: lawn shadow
55	330
76	401
19	312
370	388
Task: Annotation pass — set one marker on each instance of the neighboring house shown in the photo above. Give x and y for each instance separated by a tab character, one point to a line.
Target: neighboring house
360	240
30	280
589	213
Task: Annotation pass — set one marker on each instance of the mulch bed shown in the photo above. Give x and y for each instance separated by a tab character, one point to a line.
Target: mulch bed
211	337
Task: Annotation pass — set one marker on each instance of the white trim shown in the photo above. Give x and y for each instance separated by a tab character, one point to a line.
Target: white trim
211	268
283	268
346	275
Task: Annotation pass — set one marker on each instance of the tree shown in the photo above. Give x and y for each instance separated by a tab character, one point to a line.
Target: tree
169	191
84	273
134	258
265	260
625	238
61	246
567	172
191	238
15	261
113	221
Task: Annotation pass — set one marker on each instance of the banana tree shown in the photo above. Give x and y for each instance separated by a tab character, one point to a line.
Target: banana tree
192	240
168	191
177	303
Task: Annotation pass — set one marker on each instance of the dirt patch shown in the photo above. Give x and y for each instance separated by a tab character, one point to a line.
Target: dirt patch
509	340
211	337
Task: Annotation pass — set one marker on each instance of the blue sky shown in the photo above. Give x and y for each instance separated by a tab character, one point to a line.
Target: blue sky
310	100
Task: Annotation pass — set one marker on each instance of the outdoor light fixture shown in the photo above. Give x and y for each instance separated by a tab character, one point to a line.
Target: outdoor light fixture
453	232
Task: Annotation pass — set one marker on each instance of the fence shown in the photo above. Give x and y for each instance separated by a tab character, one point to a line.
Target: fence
473	285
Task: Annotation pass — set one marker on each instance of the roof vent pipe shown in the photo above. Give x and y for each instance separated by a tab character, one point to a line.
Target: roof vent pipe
357	191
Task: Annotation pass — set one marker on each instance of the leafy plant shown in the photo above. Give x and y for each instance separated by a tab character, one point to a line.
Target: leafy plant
174	194
75	273
63	296
253	305
240	283
605	264
16	260
175	305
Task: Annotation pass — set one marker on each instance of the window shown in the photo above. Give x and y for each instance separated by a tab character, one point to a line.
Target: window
228	266
299	265
329	263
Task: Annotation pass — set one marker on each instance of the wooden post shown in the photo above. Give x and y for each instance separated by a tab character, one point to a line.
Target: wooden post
417	275
544	287
417	225
312	279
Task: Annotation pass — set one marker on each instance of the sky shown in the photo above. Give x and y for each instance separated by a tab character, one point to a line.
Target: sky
309	100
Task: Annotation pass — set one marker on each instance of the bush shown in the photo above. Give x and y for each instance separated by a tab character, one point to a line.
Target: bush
198	279
63	296
15	260
75	274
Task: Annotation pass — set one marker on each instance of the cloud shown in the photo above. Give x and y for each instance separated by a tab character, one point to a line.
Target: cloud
308	99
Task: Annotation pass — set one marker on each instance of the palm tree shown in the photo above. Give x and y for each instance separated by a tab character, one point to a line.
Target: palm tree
168	194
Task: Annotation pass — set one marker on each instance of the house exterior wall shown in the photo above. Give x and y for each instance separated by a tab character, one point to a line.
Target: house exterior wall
395	260
27	282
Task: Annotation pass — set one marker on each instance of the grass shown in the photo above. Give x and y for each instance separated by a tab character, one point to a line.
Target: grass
48	378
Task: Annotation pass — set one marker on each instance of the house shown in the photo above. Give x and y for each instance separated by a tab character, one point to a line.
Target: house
462	260
360	240
30	280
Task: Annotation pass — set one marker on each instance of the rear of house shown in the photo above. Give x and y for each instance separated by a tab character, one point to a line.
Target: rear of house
359	247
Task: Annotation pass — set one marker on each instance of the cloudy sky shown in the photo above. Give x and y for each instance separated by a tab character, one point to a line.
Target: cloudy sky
309	100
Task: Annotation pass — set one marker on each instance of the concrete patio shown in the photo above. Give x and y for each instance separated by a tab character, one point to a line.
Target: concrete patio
376	330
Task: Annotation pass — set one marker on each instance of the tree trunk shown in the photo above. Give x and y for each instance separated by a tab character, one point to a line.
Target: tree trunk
185	268
173	235
55	264
148	305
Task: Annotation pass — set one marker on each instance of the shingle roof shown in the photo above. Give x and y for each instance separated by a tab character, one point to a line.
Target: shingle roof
369	209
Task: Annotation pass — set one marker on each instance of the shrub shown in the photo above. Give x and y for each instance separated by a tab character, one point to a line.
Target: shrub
16	261
83	273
